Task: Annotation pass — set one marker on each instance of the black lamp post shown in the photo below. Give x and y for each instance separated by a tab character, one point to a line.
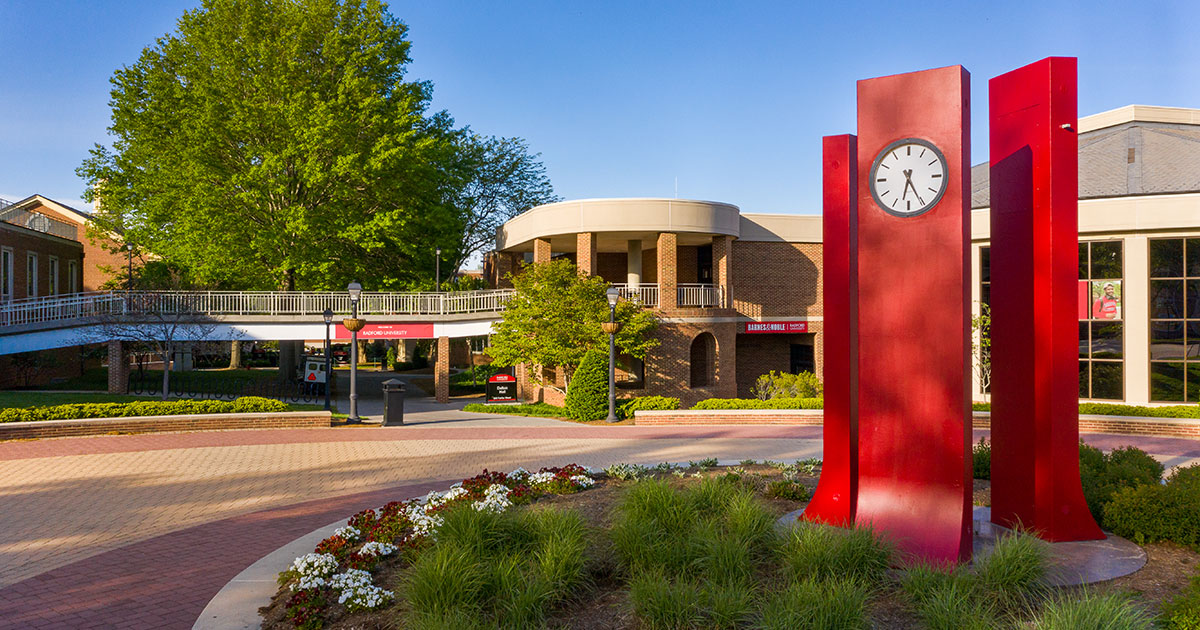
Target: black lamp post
611	327
437	269
328	314
354	324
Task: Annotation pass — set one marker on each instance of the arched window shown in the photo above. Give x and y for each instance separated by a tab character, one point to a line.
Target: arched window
704	360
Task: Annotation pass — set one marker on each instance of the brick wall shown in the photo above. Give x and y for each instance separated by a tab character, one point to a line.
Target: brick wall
613	267
687	259
668	366
761	353
40	368
776	279
161	424
23	241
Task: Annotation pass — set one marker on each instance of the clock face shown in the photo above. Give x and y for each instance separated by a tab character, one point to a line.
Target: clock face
908	177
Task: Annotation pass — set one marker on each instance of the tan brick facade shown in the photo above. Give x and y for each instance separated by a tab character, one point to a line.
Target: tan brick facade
776	279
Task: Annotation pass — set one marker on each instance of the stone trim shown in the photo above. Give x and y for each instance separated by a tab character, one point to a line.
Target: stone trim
1121	425
164	424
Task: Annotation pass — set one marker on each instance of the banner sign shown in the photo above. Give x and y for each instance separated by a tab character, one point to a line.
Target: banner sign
388	331
776	327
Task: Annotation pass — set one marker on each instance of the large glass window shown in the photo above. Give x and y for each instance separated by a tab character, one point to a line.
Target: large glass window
1175	320
1101	325
6	274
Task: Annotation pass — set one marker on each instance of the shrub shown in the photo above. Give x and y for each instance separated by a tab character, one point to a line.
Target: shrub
1154	512
753	403
587	395
1111	409
981	457
783	385
1103	475
247	404
1183	611
1091	611
787	489
647	403
537	410
389	360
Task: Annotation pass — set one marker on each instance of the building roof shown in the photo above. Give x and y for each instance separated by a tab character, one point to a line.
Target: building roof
1133	150
67	213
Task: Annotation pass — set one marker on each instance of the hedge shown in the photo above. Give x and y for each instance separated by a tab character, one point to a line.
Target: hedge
247	404
538	410
1153	512
646	403
754	403
1111	409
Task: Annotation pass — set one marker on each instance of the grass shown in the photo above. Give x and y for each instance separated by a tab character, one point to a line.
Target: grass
1015	571
505	570
1092	611
834	604
811	551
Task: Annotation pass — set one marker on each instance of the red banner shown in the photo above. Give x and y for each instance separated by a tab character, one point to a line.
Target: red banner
388	331
776	327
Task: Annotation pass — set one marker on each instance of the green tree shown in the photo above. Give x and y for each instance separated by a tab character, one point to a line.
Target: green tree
981	347
276	144
554	320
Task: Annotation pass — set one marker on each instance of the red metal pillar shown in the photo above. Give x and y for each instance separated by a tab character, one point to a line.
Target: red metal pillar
833	501
913	332
1034	328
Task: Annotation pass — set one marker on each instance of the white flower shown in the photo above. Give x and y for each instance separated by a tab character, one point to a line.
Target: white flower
518	474
454	493
537	479
424	523
309	582
583	481
315	565
495	499
377	549
347	533
357	591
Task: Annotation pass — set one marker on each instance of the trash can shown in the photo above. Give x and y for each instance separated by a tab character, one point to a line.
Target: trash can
393	402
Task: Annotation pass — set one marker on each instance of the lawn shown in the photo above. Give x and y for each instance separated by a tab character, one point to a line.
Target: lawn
19	399
96	379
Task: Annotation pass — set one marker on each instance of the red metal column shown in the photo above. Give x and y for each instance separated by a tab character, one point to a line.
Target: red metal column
833	501
913	333
1034	267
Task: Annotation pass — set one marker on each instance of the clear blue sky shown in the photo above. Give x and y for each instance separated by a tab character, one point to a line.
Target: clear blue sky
621	98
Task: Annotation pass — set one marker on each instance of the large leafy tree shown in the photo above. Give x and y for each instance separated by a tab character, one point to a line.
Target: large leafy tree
554	320
276	144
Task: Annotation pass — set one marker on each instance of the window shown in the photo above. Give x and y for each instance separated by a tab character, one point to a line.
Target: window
31	275
703	360
983	360
630	372
704	264
72	276
803	359
1101	329
52	277
6	274
1175	320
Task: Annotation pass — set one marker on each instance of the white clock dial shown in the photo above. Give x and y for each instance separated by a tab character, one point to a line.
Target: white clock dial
908	177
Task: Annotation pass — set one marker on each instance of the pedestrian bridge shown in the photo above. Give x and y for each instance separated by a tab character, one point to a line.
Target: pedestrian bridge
83	318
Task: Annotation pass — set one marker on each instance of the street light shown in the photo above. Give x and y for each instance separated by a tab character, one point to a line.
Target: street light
354	324
611	327
437	269
129	281
328	314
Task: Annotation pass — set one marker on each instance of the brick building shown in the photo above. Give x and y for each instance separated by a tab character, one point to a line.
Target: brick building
739	294
104	258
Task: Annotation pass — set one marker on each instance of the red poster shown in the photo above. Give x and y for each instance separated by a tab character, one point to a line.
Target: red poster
776	327
389	331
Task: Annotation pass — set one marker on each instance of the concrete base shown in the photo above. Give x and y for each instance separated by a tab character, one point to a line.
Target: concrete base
1070	563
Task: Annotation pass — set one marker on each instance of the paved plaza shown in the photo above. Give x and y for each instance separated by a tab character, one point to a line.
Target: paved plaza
141	531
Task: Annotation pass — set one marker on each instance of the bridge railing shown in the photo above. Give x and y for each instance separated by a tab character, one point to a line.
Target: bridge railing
231	303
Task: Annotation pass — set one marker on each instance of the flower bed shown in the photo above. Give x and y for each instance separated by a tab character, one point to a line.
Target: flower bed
336	580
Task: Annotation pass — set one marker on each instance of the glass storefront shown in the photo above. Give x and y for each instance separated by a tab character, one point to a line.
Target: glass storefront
1175	320
1101	320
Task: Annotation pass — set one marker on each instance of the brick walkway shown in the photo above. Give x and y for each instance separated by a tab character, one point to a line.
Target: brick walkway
141	531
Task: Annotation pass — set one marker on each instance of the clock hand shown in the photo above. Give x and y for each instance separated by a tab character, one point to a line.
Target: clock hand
908	182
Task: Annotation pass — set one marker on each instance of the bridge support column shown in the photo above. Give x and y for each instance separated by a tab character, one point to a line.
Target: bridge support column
118	368
441	372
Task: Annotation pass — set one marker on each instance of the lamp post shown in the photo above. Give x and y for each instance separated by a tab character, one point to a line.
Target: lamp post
437	269
354	324
611	327
328	314
129	281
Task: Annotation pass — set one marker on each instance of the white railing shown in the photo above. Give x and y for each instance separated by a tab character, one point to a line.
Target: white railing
643	294
700	296
233	303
